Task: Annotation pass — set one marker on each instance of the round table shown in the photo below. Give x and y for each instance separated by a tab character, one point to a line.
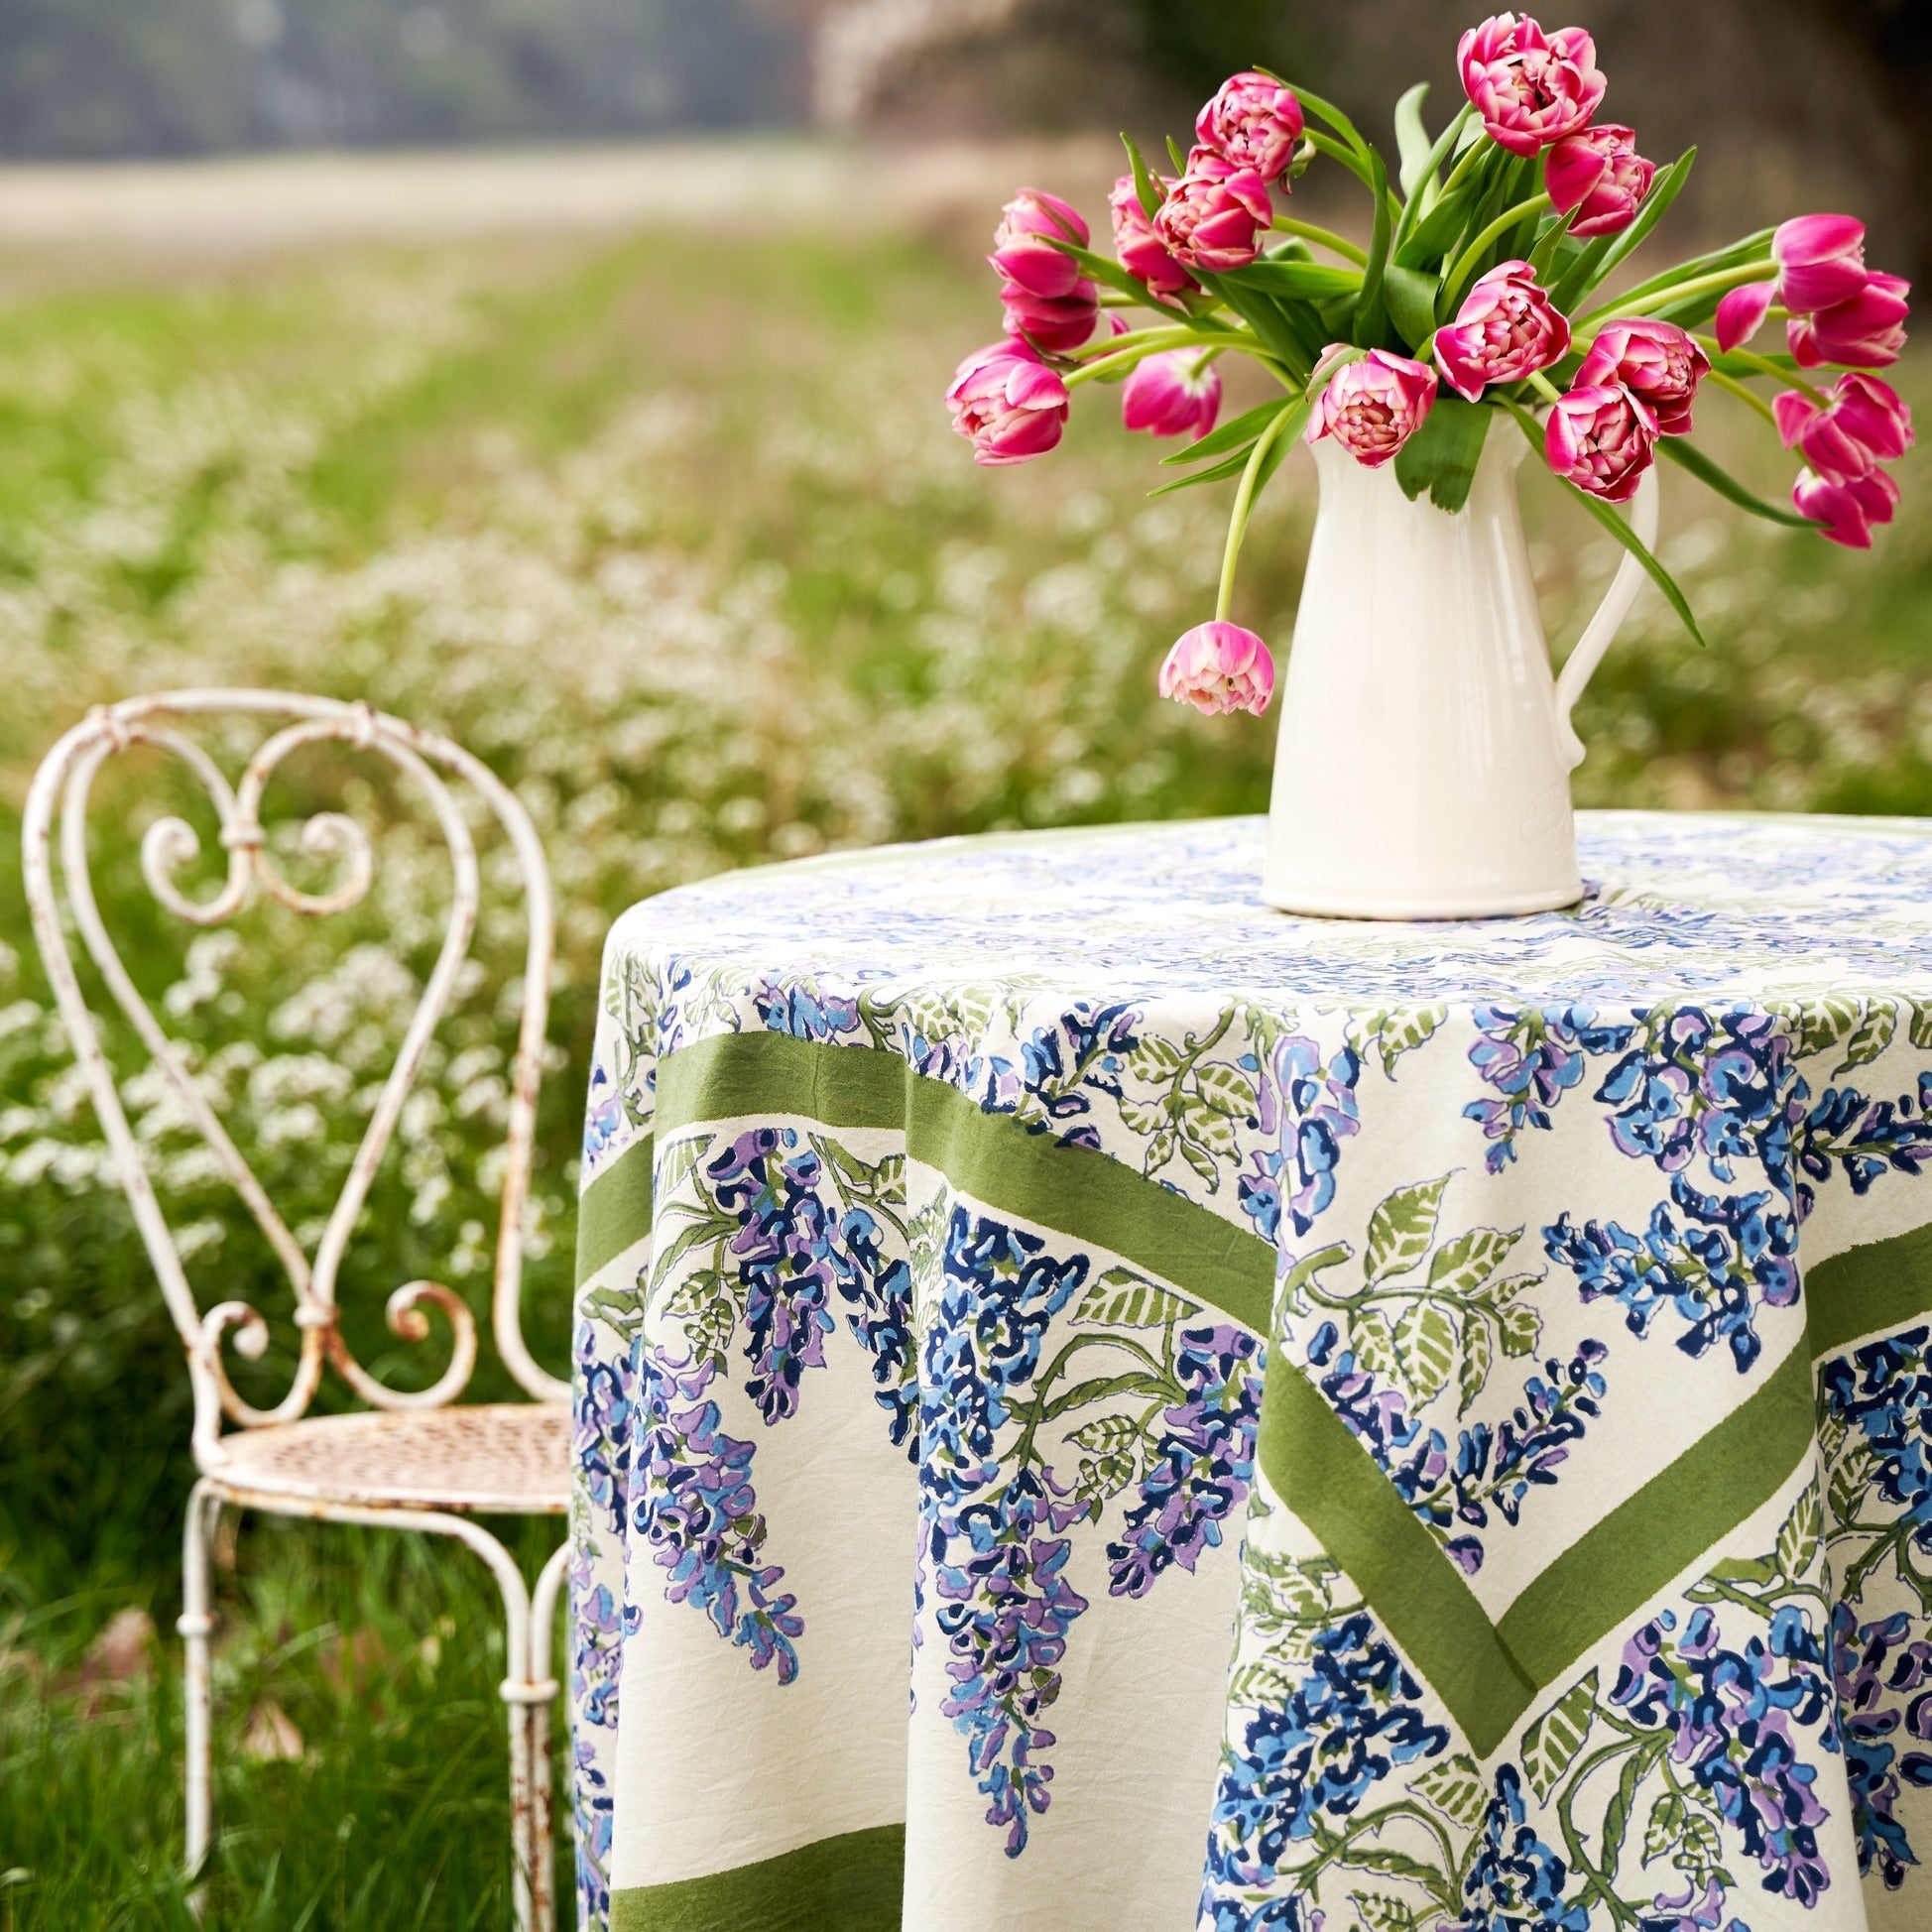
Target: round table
1101	1406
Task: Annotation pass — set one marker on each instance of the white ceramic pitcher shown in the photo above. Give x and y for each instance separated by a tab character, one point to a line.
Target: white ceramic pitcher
1423	770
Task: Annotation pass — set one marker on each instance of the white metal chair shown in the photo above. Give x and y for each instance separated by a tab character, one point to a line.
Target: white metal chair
409	1460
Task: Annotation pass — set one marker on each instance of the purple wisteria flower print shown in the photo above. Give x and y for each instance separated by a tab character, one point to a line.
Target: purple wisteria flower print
1733	1712
1532	1059
1311	1759
1876	1425
1515	1878
1714	1264
1490	1467
993	1551
1883	1675
696	1510
1309	1104
1203	1464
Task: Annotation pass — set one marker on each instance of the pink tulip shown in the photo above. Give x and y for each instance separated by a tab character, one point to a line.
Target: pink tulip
1214	214
1506	329
1254	122
1741	315
1601	438
1373	404
1847	511
1023	244
1820	261
1138	247
1597	179
1172	393
1053	323
1009	402
1656	361
1217	667
1863	424
1530	88
1865	333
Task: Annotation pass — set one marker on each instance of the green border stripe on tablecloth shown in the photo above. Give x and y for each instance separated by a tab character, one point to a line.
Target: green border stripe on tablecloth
1867	1290
1622	1560
849	1883
614	1211
1320	1470
1076	1191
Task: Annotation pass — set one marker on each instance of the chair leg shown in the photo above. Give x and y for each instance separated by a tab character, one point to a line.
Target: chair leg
196	1625
529	1690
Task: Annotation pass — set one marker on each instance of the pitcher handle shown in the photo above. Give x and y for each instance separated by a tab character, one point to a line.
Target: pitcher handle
1601	628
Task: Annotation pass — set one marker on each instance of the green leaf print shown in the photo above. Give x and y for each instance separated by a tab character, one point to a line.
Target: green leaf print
1797	1536
1121	1299
1402	1227
1875	1033
1457	1789
1425	1342
1463	1264
1551	1743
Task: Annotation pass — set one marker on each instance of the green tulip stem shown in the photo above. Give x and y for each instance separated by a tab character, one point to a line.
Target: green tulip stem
1238	517
1323	238
1544	387
1452	287
1746	393
1136	348
1701	285
1809	391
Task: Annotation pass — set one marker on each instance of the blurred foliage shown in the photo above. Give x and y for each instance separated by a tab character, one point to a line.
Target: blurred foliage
88	79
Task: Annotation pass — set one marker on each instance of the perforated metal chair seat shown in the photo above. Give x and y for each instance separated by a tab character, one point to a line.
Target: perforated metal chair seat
492	1457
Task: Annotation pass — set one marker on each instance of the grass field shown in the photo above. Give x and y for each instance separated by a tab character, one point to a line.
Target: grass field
674	533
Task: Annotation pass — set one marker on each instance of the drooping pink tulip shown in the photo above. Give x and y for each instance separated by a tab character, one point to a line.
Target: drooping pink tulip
1043	293
1373	404
1820	261
1597	179
1863	423
1139	248
1601	439
1056	323
1254	122
1741	315
1007	400
1217	667
1170	395
1531	88
1214	215
1506	329
1656	361
1023	244
1865	333
1847	511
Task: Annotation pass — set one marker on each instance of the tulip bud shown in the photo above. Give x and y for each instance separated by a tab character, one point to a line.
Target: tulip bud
1007	400
1138	247
1046	295
1601	439
1847	511
1597	179
1254	122
1656	361
1171	394
1531	88
1373	404
1863	423
1219	668
1506	329
1214	214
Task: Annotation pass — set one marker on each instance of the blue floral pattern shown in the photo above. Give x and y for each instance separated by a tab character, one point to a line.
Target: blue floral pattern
1523	1185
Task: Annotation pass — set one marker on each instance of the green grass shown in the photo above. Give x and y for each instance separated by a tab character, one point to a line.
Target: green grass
675	534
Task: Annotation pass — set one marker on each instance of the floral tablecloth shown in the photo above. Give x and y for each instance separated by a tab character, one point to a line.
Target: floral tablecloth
1101	1406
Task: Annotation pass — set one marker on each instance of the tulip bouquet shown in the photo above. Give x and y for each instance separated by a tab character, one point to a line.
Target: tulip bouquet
1472	303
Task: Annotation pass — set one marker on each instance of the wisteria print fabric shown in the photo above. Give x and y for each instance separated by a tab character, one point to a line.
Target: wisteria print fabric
1101	1406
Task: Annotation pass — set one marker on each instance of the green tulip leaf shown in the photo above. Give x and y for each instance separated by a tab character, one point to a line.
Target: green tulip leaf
1413	142
1410	297
1441	457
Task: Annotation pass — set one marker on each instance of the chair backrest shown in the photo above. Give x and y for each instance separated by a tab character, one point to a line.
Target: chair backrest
62	789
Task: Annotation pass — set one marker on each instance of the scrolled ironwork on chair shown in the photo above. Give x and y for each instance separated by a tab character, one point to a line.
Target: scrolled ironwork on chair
411	1459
